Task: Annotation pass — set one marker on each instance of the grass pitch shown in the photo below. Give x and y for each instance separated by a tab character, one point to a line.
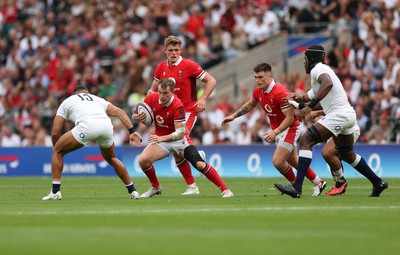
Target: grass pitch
96	216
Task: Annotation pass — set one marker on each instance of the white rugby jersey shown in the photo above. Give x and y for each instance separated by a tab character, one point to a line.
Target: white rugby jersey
82	107
336	100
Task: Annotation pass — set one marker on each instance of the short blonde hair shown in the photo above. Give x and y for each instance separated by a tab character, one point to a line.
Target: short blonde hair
172	40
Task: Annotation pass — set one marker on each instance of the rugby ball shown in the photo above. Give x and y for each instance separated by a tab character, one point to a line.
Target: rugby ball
143	107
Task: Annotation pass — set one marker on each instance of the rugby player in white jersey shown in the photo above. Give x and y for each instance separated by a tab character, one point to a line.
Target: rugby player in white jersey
338	123
91	115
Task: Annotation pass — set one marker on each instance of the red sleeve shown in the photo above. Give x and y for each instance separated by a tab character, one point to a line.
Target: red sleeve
157	72
179	114
255	94
195	69
280	98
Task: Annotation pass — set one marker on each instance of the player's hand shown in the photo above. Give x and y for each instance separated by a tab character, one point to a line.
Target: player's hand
227	119
201	105
292	96
270	136
305	111
154	139
136	139
139	117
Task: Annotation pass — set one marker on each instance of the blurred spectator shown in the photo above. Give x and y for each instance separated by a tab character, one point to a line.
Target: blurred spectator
226	134
381	131
211	137
8	138
243	137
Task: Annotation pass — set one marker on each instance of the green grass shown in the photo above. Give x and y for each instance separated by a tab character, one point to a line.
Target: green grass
97	217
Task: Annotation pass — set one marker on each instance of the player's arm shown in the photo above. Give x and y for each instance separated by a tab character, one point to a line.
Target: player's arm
326	86
298	98
114	111
286	123
58	124
209	87
245	108
178	134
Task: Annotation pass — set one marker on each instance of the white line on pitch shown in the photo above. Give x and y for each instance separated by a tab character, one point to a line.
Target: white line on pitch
202	210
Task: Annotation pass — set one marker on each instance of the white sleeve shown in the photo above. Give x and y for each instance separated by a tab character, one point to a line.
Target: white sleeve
311	94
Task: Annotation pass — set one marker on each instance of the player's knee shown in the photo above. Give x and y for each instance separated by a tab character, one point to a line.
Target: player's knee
144	161
278	163
346	153
314	134
193	156
200	165
328	154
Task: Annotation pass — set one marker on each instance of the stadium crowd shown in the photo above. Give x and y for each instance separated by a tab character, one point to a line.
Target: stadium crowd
47	47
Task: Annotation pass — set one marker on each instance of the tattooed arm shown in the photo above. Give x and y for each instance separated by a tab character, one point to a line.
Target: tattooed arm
245	108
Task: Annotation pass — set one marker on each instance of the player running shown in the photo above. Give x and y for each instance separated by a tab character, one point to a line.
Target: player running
170	138
285	125
185	73
91	115
338	123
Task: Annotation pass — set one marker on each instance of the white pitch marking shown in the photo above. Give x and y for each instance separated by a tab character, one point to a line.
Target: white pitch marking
202	210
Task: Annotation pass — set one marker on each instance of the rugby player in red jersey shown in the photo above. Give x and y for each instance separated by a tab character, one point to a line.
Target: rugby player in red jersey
185	73
285	125
170	138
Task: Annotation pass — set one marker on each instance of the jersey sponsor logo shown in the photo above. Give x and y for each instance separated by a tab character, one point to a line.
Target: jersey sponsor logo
160	120
180	73
268	108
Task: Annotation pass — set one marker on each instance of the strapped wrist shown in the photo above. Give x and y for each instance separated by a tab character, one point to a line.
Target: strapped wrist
313	103
302	105
131	130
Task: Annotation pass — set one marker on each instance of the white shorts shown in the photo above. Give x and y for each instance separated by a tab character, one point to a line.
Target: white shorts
288	138
340	124
177	146
100	131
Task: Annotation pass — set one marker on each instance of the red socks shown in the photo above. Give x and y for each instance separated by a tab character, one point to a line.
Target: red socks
289	174
151	174
214	177
186	171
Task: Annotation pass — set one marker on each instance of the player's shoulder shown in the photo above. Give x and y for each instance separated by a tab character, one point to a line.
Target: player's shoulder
150	99
177	102
280	87
190	63
320	67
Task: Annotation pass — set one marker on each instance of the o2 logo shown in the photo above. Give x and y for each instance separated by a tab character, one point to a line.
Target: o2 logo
254	164
374	161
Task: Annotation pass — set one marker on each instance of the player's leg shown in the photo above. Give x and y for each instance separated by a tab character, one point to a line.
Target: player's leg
192	155
315	134
318	184
331	157
182	164
184	168
66	144
344	146
152	153
120	169
280	161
